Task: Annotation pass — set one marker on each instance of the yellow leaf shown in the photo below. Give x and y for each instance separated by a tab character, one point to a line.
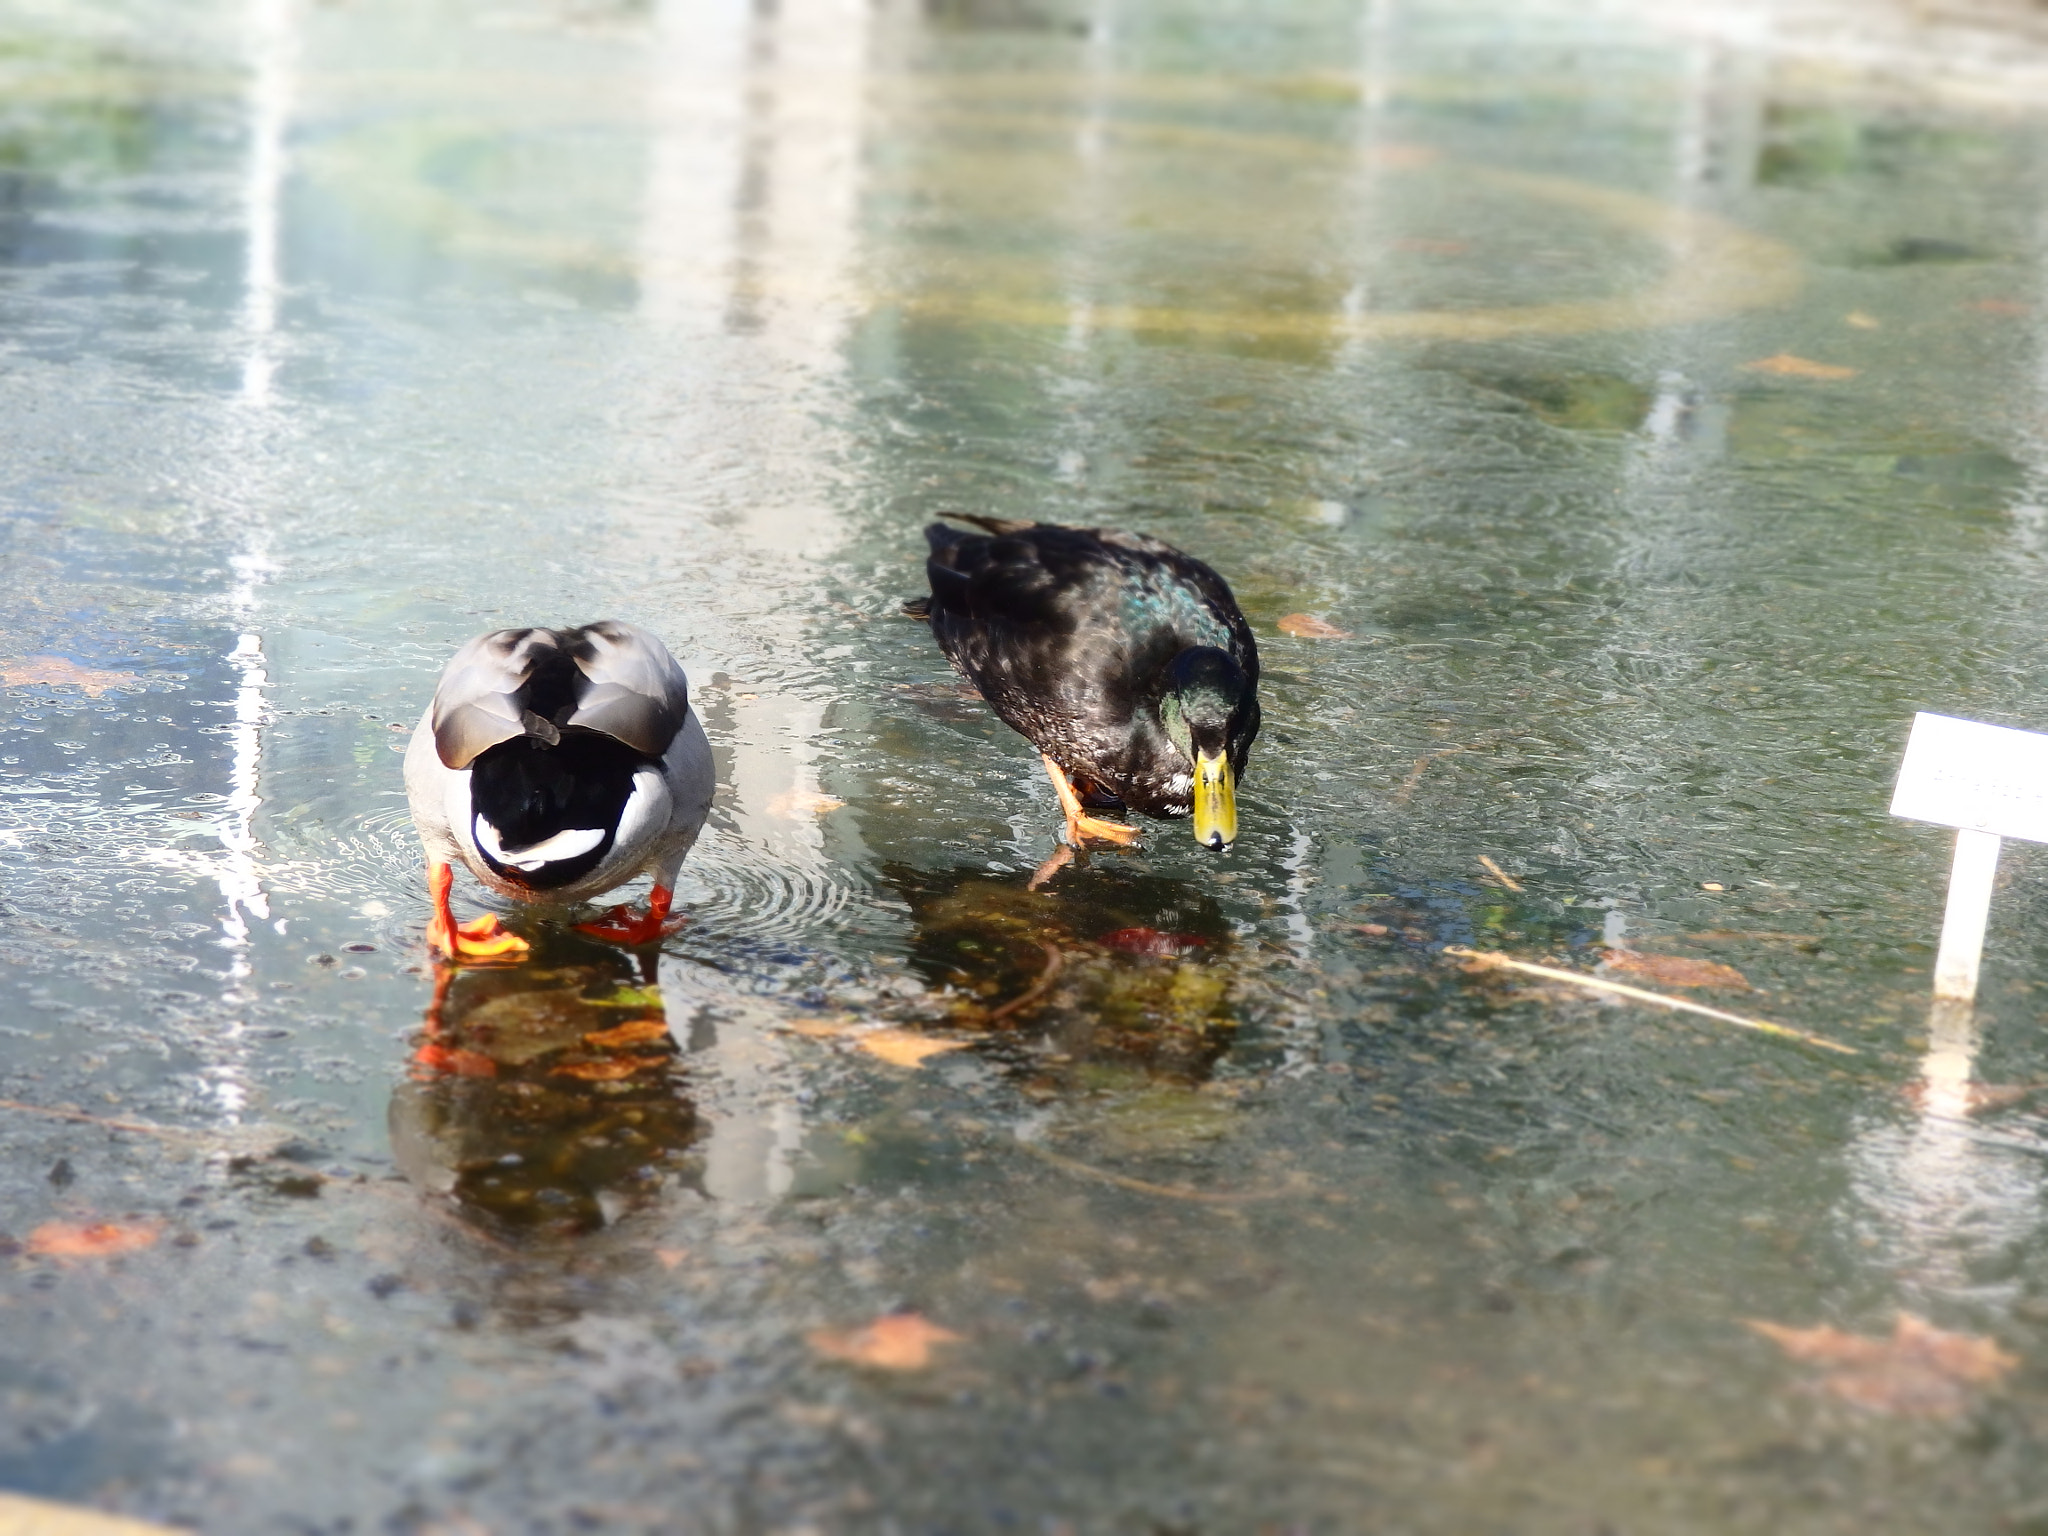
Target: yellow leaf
56	672
1785	365
794	804
904	1047
1860	320
1306	626
24	1516
902	1341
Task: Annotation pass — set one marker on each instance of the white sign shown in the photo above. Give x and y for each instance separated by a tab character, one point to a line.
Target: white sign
1988	782
1983	778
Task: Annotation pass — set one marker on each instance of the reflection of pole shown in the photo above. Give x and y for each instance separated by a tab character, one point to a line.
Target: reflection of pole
241	884
1970	879
1951	1053
269	108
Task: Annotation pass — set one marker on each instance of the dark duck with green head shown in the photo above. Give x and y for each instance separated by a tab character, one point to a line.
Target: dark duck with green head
1123	660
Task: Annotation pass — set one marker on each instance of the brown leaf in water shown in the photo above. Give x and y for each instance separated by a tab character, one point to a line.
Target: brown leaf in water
633	1032
901	1341
1676	970
795	804
904	1047
1424	245
1975	1098
1306	626
2009	307
92	1239
1920	1369
1786	366
56	672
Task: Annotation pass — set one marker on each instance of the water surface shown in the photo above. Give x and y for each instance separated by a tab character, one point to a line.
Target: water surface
332	335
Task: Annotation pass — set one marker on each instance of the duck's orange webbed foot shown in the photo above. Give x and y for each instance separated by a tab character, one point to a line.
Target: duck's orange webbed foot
482	939
621	926
1080	825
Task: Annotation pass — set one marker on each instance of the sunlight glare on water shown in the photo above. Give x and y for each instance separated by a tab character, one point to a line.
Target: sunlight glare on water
1644	403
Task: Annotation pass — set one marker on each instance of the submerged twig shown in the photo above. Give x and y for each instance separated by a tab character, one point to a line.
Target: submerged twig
1054	960
1146	1186
1641	995
1500	874
79	1116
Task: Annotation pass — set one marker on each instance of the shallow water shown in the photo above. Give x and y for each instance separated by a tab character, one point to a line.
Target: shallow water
330	336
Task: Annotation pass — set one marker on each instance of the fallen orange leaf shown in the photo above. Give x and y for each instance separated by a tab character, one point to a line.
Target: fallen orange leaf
56	672
1306	626
904	1047
1676	970
93	1239
1422	245
2013	307
793	804
1785	365
635	1032
902	1341
671	1257
1920	1369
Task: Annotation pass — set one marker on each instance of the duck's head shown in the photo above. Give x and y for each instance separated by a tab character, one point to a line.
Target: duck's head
1211	712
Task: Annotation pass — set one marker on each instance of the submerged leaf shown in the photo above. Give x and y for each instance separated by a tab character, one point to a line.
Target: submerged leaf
1920	1369
902	1341
56	672
634	1032
1306	626
794	804
606	1071
1787	366
1676	970
92	1240
904	1047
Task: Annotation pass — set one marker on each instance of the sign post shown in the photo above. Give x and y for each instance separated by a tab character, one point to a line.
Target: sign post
1989	782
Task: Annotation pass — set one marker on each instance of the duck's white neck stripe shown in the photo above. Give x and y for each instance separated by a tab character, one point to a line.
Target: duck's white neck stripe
563	845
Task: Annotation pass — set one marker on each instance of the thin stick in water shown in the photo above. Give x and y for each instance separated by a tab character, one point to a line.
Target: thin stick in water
1655	999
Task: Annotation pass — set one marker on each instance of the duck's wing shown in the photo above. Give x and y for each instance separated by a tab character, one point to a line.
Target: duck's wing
633	689
1035	619
608	676
480	700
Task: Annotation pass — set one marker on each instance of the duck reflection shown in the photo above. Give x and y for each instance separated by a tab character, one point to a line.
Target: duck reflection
546	1096
1125	971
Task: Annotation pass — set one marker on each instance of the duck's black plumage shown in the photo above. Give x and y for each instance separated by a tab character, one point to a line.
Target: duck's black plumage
1075	636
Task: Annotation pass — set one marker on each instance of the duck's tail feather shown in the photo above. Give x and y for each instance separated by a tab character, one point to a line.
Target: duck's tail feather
918	608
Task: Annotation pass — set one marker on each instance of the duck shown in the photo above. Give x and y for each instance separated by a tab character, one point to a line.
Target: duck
1122	659
555	765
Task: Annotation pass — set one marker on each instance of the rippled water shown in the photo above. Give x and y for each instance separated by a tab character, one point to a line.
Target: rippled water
333	334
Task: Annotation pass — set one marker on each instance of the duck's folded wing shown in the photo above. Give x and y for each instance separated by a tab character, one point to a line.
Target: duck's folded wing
477	703
632	689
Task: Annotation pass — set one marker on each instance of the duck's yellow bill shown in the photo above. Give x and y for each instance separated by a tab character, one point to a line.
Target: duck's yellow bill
1215	802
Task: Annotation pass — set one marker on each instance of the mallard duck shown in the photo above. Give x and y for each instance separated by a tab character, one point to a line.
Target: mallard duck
1123	660
556	764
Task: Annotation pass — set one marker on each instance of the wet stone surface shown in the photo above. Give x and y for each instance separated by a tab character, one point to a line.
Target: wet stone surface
1656	421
